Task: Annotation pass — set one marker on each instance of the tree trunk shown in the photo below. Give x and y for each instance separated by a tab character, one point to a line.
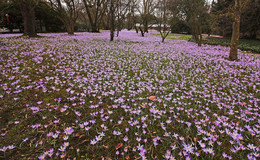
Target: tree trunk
94	28
142	32
108	21
136	30
195	29
70	28
163	40
41	26
200	35
118	29
193	36
28	14
235	32
112	20
117	32
195	33
145	25
69	24
92	25
224	33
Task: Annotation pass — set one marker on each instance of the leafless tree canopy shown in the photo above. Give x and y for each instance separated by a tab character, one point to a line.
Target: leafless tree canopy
67	11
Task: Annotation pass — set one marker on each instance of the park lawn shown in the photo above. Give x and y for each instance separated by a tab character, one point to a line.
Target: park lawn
83	97
179	37
244	44
175	36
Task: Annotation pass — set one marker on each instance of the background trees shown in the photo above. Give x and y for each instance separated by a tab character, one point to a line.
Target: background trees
146	10
120	13
95	10
13	11
223	13
163	18
250	20
131	19
195	13
47	20
112	6
67	11
178	20
183	16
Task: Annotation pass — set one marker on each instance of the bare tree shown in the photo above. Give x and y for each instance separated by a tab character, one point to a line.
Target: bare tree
193	10
162	18
146	10
67	11
133	8
130	17
117	11
120	13
196	8
95	10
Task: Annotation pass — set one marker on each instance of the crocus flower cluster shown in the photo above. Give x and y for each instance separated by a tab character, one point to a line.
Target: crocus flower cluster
64	97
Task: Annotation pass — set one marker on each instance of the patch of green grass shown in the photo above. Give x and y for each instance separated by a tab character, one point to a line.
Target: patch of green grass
244	44
177	36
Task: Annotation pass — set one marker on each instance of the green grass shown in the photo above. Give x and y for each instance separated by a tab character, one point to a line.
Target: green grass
172	94
177	36
244	44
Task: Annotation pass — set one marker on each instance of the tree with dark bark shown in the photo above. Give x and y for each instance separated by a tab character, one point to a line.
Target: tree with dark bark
27	8
112	18
239	5
117	11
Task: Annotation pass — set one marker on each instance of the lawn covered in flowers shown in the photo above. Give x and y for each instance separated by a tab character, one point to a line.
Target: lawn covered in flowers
81	96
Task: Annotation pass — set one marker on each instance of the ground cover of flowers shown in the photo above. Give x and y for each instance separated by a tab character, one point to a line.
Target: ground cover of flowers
80	97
